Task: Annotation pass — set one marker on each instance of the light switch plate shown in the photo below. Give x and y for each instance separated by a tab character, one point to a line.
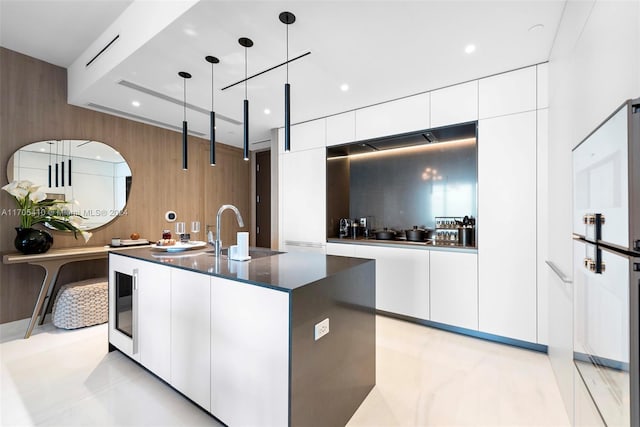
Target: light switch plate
321	329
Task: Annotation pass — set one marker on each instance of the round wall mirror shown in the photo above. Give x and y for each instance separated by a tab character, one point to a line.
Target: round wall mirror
92	175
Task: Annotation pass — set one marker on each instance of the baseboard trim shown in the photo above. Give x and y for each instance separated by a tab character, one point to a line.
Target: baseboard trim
469	332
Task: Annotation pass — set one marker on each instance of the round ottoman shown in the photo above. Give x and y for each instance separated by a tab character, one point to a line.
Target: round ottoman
80	304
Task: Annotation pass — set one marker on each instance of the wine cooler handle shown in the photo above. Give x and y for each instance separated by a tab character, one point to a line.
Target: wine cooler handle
134	308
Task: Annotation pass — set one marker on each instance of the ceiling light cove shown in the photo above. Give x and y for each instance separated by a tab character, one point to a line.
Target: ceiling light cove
344	87
135	103
470	48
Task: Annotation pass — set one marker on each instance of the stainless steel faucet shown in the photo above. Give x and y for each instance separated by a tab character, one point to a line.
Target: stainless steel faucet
218	243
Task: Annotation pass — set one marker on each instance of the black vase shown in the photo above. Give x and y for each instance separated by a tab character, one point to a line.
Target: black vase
32	241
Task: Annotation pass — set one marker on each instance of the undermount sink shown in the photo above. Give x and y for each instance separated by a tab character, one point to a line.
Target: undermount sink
253	252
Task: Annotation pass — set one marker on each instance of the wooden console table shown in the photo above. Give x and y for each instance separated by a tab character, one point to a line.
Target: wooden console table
52	261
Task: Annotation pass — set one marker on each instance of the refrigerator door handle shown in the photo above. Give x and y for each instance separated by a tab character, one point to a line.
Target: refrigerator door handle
596	266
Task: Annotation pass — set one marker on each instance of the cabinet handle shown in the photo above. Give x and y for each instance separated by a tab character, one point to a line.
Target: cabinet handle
559	272
134	314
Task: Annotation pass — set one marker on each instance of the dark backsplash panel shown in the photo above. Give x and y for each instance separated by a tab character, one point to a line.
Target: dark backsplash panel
399	188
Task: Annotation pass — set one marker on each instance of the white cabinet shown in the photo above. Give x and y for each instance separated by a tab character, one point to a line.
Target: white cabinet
341	128
150	313
506	226
393	117
508	93
542	85
560	336
305	136
191	335
249	354
341	249
154	318
542	218
402	279
303	197
454	288
454	104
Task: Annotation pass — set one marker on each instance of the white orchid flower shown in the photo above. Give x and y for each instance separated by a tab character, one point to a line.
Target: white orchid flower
75	221
25	184
10	186
38	196
19	193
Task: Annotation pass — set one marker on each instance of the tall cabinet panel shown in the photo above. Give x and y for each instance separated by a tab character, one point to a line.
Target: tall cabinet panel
507	226
303	199
191	335
249	354
154	318
560	336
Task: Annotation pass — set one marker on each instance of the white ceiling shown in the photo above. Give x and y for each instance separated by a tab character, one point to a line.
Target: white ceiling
55	31
382	49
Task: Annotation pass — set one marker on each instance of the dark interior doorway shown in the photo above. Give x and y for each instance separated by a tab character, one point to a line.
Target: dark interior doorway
263	199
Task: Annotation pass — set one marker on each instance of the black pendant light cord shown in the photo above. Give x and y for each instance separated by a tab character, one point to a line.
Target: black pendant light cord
245	72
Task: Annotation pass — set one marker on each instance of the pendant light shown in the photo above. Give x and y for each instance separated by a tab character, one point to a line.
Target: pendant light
287	18
62	163
246	43
185	76
69	163
212	116
57	168
50	181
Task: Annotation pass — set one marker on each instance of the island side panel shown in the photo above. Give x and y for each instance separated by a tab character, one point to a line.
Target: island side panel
331	376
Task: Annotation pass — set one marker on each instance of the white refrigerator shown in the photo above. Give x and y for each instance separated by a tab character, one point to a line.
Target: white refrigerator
606	232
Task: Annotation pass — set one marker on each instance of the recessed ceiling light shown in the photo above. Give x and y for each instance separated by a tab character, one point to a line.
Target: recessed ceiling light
344	87
190	32
470	48
98	157
42	149
267	111
135	103
536	27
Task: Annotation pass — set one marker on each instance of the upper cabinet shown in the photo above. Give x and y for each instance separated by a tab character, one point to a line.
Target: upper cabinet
305	136
341	128
543	85
508	93
454	104
391	118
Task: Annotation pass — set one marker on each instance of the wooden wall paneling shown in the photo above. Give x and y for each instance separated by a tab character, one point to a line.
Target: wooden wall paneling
33	107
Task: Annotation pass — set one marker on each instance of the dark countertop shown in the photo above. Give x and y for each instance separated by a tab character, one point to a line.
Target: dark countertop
454	247
284	272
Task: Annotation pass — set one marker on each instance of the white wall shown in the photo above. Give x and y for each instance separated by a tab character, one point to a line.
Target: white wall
594	67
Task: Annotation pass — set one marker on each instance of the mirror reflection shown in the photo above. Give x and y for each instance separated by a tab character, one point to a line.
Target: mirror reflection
92	175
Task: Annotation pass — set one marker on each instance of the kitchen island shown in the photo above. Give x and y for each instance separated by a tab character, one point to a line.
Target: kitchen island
282	339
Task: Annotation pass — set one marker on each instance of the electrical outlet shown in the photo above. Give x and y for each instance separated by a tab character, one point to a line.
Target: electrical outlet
321	329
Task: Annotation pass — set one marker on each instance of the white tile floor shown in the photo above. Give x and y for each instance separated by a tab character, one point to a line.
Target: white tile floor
425	377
